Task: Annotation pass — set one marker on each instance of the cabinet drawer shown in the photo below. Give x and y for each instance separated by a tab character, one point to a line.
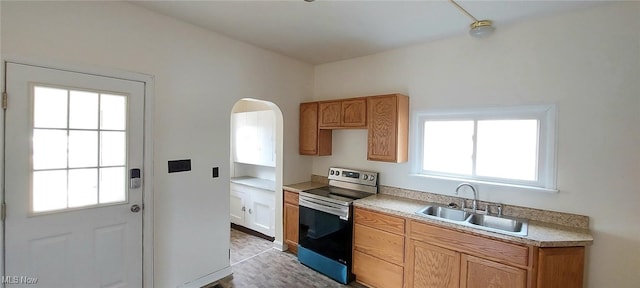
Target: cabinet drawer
290	197
379	221
470	244
374	272
383	245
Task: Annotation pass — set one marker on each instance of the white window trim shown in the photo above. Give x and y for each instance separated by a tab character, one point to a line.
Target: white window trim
547	115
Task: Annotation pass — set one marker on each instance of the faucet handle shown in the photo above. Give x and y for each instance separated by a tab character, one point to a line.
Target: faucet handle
498	207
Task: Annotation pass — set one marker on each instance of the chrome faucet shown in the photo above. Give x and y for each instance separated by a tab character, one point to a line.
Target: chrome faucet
475	195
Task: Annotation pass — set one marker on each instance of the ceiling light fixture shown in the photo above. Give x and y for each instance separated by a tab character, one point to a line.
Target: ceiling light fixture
479	28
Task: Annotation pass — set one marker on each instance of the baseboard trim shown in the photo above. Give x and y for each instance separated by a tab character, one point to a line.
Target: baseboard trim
252	232
208	279
280	246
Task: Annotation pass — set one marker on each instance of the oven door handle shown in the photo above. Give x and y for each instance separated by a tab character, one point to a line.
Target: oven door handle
342	213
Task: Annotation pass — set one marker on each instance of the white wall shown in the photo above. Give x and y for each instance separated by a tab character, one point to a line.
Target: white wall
199	75
587	62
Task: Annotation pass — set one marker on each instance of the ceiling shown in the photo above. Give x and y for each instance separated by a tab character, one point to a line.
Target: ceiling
325	31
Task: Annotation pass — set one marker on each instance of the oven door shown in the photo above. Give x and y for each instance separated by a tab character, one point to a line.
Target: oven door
326	229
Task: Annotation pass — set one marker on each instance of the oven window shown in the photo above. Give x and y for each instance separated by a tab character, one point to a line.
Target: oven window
325	234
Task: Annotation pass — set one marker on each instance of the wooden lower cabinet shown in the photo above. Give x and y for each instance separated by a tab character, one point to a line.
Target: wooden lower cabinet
431	266
479	273
560	267
442	257
378	249
375	272
391	251
291	214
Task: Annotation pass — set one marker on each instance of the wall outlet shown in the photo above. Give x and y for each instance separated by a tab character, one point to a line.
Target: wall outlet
215	173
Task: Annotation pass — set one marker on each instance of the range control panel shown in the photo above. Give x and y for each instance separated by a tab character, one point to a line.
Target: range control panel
353	176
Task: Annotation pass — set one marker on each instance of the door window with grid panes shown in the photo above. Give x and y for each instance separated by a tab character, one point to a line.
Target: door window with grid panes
79	148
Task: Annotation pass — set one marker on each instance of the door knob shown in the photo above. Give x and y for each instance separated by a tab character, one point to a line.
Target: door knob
135	208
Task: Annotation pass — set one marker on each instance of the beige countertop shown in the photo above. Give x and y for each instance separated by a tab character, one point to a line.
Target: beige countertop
539	233
265	184
300	187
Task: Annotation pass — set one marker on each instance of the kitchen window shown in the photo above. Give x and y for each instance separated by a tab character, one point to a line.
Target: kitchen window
502	146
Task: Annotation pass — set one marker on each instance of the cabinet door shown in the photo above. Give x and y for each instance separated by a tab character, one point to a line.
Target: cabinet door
266	123
237	207
480	273
560	267
354	113
329	114
308	144
245	136
260	213
291	219
388	128
430	266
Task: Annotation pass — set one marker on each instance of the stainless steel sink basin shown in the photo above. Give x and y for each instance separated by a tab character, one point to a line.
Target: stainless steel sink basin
499	223
444	212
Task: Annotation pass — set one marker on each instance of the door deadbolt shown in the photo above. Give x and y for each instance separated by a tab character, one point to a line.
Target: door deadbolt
135	208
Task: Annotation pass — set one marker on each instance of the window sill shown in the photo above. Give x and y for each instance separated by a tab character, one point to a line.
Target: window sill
492	185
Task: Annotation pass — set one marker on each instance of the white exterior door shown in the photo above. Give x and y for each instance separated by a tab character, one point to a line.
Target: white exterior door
74	204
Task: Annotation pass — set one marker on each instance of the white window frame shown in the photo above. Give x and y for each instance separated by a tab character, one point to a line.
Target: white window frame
546	164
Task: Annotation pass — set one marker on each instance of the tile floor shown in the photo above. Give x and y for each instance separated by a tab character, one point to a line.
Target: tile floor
256	265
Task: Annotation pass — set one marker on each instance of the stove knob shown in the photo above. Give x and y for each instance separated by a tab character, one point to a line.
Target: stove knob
371	178
365	176
332	172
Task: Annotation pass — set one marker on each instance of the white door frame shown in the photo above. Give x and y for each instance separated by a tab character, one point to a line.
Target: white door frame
147	216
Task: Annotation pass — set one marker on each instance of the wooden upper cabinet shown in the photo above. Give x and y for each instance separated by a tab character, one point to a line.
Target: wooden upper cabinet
388	138
386	117
349	113
313	140
354	113
330	114
308	144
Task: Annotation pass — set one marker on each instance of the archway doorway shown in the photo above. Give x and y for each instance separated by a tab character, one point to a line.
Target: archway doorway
256	177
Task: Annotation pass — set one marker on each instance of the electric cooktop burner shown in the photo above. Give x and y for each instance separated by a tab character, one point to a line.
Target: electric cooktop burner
342	194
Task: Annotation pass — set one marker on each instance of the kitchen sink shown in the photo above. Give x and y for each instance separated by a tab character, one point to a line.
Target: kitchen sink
498	224
444	212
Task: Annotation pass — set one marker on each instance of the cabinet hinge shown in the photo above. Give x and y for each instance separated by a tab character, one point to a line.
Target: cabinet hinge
3	213
4	100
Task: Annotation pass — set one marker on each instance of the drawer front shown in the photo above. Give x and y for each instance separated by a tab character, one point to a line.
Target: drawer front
379	221
383	245
374	272
291	197
470	244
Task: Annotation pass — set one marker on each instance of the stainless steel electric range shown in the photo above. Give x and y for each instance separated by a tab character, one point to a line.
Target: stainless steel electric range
326	222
